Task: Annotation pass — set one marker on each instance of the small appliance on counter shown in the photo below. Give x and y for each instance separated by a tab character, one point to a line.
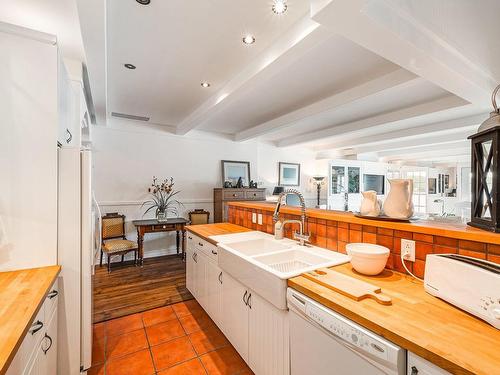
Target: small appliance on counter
471	284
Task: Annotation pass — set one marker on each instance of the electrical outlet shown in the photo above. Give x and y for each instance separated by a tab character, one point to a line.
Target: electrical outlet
408	249
259	219
254	217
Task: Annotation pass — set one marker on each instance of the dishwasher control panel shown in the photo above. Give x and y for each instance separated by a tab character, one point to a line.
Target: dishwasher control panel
345	330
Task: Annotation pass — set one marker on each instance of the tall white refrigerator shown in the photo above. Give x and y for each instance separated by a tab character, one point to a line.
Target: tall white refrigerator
76	247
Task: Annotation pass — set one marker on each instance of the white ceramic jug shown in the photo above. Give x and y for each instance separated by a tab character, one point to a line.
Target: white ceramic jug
398	203
370	205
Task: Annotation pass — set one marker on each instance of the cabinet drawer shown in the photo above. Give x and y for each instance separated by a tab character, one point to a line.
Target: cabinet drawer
233	195
254	195
51	300
162	227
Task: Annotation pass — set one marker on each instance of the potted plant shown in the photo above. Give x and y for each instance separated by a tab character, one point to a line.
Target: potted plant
162	199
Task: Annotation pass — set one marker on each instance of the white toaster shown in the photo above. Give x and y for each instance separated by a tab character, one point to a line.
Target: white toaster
468	283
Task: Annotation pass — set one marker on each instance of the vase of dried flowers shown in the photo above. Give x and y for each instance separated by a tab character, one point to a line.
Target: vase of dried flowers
162	199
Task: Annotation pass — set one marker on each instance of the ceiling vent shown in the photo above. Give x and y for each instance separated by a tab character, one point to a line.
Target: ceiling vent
129	117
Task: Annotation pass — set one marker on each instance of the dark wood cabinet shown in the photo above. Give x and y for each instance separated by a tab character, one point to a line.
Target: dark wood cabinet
223	196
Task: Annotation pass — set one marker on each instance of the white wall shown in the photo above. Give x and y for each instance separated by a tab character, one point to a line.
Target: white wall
126	156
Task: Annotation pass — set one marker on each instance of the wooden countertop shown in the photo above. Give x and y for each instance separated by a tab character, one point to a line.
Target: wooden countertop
417	321
22	293
454	230
207	230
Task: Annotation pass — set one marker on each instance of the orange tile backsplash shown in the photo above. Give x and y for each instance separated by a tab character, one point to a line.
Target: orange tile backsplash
335	235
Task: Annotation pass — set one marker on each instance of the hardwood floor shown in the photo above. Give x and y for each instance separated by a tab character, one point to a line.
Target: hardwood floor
129	289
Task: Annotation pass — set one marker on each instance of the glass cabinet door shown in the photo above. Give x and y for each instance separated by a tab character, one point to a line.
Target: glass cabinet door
338	179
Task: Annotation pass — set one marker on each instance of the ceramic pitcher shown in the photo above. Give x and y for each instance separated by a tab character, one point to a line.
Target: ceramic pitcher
398	203
370	205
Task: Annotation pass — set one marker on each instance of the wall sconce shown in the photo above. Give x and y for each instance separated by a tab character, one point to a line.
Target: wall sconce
485	167
318	181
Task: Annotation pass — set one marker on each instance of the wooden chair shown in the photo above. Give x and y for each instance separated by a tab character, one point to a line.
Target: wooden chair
199	216
114	241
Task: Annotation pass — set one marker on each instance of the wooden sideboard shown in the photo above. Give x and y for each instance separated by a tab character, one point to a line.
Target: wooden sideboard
223	196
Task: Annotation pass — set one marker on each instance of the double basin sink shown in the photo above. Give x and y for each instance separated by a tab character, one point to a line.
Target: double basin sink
264	264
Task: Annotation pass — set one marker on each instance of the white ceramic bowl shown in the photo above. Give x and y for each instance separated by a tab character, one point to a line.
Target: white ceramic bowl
367	258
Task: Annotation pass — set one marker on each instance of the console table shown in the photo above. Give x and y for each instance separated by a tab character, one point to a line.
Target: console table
154	226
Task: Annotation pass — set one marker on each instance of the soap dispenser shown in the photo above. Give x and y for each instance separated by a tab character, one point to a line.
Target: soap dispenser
278	230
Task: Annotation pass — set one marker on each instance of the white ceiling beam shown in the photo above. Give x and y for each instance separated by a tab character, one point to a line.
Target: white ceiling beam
302	36
469	123
385	29
455	145
426	154
436	138
385	82
356	127
438	159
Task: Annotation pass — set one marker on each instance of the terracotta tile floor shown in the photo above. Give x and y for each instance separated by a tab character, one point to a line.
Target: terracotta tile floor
176	339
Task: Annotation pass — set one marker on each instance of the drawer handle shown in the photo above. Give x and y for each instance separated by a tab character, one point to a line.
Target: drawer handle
50	344
220	277
214	252
164	227
37	326
414	370
195	257
244	298
199	243
52	294
70	136
249	300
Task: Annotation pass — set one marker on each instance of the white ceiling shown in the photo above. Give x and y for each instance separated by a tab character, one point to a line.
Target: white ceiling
178	44
328	68
399	79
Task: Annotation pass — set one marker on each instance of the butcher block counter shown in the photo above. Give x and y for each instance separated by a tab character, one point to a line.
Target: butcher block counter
205	231
22	293
416	321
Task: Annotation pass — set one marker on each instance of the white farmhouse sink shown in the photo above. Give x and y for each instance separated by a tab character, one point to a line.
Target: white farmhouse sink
287	263
259	246
264	264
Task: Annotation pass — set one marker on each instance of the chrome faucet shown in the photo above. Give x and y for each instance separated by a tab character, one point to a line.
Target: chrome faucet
300	236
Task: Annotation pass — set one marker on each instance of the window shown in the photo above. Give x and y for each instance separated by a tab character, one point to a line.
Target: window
419	190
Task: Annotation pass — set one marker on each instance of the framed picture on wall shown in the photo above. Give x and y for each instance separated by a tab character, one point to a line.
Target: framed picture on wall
431	186
289	174
232	171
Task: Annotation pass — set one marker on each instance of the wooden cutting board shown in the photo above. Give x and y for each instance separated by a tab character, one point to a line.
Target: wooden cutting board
348	286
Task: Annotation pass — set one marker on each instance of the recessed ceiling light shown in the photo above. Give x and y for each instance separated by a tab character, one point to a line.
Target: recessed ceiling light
205	84
129	66
249	39
279	6
143	2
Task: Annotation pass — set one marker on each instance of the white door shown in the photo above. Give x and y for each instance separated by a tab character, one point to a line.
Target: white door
190	269
268	338
201	261
214	292
235	314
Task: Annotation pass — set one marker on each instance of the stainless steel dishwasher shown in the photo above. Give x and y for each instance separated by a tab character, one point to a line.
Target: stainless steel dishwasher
323	342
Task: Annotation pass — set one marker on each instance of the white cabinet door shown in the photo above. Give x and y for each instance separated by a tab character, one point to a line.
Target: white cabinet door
190	270
268	337
235	314
214	292
201	261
